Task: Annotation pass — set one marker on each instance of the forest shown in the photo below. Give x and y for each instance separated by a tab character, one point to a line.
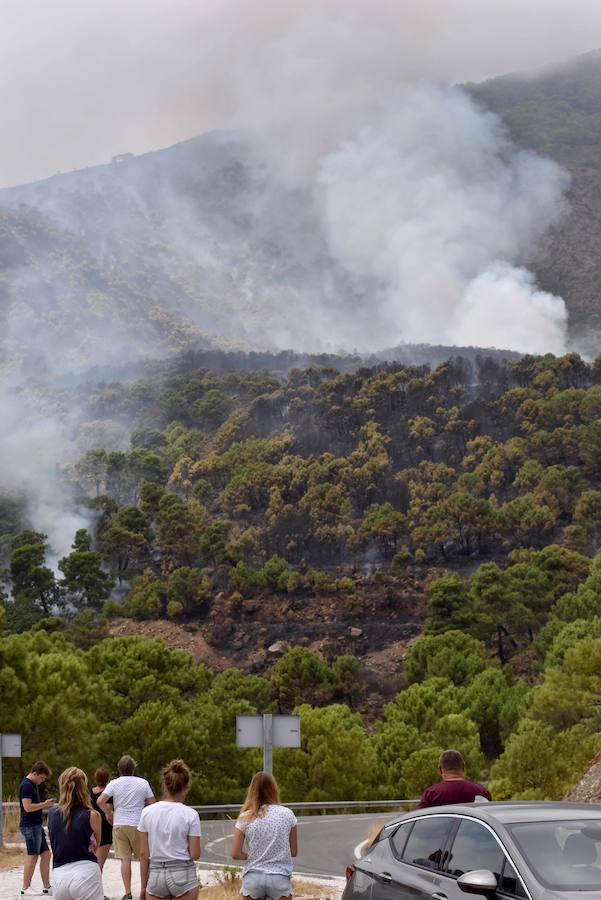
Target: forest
472	491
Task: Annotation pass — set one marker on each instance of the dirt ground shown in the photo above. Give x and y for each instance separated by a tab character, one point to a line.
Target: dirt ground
9	858
216	884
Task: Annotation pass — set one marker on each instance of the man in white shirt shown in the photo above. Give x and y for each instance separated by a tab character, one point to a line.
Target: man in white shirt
130	795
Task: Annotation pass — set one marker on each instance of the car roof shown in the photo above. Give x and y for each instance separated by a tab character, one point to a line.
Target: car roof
512	812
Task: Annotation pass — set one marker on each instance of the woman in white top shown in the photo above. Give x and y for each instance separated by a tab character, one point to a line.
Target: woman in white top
271	841
170	840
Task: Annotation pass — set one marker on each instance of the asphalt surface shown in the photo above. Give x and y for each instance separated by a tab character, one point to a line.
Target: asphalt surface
326	844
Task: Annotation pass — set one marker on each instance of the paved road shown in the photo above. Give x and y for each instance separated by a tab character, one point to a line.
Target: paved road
326	844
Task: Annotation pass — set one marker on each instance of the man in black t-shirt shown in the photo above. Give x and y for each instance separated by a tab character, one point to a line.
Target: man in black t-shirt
454	787
31	828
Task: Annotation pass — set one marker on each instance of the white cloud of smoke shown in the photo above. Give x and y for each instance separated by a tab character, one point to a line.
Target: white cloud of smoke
417	189
436	203
33	449
83	81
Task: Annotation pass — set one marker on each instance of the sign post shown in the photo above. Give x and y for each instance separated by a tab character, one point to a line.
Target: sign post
10	747
268	743
268	731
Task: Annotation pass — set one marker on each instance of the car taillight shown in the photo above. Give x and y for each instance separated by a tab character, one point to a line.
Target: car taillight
349	871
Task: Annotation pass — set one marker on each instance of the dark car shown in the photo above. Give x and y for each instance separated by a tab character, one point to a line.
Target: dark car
541	851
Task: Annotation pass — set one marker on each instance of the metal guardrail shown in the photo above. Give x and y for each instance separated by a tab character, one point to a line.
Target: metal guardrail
321	806
312	806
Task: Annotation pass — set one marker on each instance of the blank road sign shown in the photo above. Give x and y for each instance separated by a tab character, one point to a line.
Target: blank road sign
249	731
10	745
286	731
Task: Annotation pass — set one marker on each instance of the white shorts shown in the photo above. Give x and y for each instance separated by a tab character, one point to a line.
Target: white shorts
77	881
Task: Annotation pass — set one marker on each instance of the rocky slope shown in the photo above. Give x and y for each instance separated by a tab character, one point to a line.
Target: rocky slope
588	789
254	634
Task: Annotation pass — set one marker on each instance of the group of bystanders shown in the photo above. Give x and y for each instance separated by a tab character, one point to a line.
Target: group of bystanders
163	835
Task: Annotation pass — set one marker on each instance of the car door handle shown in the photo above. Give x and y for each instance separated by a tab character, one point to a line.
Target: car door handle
437	896
386	877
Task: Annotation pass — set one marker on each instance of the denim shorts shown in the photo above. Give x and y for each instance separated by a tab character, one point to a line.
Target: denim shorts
172	877
35	839
257	884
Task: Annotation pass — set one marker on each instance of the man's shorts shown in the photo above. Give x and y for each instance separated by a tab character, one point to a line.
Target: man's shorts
35	839
126	840
171	878
257	884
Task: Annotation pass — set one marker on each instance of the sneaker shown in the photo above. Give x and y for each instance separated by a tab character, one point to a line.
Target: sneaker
29	892
47	891
126	897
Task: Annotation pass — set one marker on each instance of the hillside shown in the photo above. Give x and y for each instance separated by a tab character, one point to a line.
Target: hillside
191	246
202	245
407	557
402	546
558	113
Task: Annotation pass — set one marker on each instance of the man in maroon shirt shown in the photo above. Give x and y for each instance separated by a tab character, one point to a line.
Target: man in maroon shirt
454	787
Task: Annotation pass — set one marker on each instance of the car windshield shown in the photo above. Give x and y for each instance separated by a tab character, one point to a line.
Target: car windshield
563	855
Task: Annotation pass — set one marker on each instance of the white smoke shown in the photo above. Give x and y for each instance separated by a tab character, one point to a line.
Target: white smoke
164	71
418	191
526	319
436	203
33	449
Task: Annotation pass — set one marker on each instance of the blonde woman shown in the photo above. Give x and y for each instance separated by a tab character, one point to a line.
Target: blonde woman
74	829
271	841
170	840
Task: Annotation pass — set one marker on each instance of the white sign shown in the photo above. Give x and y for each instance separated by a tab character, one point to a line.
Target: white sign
10	745
249	731
285	731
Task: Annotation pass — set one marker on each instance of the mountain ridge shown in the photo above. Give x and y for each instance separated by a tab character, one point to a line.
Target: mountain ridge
198	245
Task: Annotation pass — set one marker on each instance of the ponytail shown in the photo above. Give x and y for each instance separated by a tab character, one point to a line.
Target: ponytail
176	777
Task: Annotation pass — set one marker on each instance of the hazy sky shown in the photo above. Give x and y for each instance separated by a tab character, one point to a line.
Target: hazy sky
82	81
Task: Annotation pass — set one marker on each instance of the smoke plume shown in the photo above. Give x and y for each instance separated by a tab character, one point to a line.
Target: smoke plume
408	214
33	449
436	203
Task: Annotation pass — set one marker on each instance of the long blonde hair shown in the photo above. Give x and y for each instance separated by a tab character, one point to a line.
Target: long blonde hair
73	793
262	792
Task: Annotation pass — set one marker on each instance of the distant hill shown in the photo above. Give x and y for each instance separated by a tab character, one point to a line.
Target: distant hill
198	246
558	113
194	245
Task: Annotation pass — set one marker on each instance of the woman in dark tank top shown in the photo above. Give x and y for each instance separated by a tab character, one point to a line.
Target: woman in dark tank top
102	777
74	829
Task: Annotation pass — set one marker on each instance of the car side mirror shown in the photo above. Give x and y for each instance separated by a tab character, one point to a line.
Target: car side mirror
478	881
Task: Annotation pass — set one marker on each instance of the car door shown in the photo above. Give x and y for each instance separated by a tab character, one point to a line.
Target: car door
409	861
475	846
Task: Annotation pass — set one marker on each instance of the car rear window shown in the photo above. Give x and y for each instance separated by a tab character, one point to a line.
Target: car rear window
563	855
399	838
427	841
384	833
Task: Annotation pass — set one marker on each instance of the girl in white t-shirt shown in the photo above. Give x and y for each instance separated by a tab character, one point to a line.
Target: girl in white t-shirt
170	840
271	841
